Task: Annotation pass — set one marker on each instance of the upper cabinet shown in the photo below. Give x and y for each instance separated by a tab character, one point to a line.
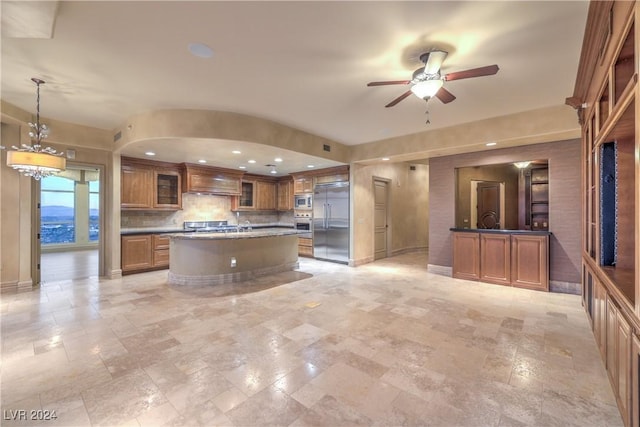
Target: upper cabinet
135	187
285	194
258	193
146	185
210	180
304	182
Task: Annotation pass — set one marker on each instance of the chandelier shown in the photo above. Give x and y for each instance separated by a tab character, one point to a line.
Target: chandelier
33	160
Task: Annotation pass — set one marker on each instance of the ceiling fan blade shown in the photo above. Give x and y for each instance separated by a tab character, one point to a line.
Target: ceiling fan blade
433	61
444	95
398	99
474	72
391	82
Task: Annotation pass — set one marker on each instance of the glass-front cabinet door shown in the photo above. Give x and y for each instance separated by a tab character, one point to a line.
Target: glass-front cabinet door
168	193
247	199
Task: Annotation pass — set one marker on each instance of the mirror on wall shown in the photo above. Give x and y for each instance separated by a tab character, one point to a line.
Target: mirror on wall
508	196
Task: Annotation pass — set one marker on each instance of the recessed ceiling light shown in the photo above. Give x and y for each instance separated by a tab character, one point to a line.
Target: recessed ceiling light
236	152
242	167
310	166
200	50
273	171
252	161
149	153
489	144
202	161
277	159
385	158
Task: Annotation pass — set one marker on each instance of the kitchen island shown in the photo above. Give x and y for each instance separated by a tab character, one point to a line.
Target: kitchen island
235	256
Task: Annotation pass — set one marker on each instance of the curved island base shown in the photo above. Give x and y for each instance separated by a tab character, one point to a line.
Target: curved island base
200	259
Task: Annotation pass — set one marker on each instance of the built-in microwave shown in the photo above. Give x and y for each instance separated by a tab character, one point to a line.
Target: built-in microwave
303	201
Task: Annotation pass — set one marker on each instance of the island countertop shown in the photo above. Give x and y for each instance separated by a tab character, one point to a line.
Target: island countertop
204	258
262	232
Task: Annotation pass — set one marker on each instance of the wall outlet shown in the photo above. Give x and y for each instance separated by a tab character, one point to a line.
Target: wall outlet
233	262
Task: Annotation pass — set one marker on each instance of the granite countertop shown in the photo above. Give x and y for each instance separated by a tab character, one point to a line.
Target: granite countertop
164	230
261	232
500	231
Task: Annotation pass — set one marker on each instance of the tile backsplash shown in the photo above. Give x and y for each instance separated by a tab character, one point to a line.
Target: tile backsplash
201	207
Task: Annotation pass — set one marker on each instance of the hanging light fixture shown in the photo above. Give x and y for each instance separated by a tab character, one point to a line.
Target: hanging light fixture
33	160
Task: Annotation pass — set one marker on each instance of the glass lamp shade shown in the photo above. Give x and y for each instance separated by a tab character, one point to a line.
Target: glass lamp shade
521	165
35	164
427	88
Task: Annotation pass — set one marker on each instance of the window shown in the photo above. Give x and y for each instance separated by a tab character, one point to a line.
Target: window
94	210
70	206
57	213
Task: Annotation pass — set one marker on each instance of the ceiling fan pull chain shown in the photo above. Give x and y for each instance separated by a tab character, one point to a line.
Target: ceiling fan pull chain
428	122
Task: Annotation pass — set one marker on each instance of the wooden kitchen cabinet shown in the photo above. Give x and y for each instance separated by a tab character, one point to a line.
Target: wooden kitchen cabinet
136	185
147	185
209	180
495	258
516	259
305	246
466	256
168	189
303	185
136	253
160	250
258	194
530	261
285	194
144	252
266	196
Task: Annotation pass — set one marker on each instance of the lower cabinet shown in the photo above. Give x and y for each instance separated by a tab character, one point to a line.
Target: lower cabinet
466	256
513	259
618	360
305	246
495	258
618	344
144	252
635	381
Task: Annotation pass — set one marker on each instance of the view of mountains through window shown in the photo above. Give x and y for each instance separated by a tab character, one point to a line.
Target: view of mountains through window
63	209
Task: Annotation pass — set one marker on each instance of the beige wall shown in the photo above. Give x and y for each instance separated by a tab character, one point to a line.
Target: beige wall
16	196
564	201
15	226
408	208
409	195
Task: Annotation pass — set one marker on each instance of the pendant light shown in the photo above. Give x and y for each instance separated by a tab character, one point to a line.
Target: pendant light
33	160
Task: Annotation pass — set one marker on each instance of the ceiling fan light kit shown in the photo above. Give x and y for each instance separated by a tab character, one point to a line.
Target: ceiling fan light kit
428	81
426	89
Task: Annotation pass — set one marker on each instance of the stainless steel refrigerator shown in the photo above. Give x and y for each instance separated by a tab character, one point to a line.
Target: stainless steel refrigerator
331	222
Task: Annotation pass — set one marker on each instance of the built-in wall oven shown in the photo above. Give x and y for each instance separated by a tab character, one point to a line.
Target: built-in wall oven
302	222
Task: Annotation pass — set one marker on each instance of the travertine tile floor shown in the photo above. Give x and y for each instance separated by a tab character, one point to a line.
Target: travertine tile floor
383	344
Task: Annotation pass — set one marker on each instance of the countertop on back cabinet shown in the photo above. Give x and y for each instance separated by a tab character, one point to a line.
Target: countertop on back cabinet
164	230
150	230
264	232
500	231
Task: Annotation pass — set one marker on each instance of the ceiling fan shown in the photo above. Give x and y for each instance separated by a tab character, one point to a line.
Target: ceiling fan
427	81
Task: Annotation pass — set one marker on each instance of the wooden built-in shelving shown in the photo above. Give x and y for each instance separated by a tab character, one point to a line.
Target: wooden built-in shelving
606	95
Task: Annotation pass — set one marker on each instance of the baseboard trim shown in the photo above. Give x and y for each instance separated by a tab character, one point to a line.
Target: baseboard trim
114	274
441	270
565	287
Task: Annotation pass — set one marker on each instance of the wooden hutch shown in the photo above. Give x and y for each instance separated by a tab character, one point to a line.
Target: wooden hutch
607	98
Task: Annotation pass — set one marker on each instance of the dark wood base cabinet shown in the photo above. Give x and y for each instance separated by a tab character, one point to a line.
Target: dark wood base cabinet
518	258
